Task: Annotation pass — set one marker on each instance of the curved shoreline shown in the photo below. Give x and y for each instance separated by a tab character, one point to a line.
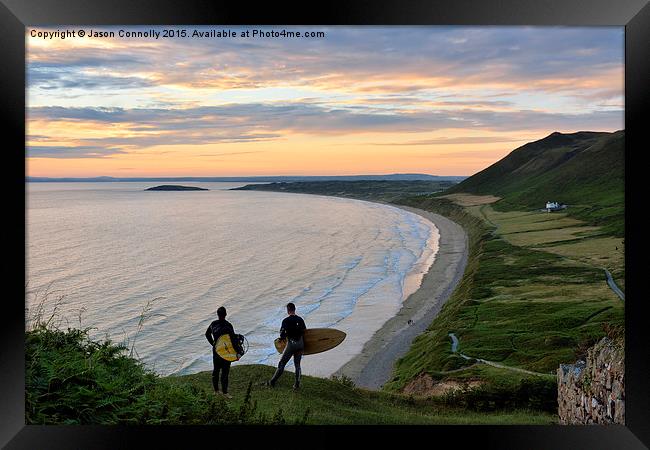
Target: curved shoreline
374	365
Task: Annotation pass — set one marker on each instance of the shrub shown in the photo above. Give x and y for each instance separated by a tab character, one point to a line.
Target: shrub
529	393
71	379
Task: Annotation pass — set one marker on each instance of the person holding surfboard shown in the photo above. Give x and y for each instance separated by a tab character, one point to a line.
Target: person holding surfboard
292	329
216	329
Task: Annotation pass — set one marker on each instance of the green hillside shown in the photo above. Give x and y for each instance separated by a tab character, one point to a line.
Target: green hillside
518	304
584	170
73	380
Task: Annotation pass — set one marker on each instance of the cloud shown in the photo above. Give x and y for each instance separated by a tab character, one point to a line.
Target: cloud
64	80
259	122
363	59
246	121
83	58
453	141
39	151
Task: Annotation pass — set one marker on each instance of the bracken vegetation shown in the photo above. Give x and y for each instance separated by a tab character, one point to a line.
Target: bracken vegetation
71	379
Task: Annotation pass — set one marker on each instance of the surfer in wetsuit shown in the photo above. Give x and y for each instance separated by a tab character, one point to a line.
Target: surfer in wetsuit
217	328
292	329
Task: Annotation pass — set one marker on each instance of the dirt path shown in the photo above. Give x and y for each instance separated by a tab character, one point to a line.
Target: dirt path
612	284
454	349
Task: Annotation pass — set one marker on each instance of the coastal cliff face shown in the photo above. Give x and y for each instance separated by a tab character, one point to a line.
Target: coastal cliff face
593	391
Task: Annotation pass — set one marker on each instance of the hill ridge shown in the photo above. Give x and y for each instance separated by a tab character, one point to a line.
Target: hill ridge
584	169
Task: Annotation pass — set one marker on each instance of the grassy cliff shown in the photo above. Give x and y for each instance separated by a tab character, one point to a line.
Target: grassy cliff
73	380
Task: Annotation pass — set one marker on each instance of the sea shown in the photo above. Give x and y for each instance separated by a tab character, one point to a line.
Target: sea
148	269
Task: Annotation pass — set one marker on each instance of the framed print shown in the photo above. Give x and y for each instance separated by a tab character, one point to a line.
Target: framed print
357	220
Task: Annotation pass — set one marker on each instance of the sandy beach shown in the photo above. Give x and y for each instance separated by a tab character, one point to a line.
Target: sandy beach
373	366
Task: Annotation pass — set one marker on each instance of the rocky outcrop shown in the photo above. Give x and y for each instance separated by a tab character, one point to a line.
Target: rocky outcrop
593	390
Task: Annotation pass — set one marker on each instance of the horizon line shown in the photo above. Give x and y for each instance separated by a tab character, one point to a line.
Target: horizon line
27	178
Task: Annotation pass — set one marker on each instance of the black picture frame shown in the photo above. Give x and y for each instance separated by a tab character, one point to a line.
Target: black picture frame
16	15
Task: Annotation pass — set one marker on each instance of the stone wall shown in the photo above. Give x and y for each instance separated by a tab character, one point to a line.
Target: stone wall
593	391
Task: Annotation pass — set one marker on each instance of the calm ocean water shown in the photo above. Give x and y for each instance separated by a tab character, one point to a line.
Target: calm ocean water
112	247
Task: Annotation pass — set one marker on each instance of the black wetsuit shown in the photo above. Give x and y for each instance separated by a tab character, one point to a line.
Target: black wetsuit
292	328
216	329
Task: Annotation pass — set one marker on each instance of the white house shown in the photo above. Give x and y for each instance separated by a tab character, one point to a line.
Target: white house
554	206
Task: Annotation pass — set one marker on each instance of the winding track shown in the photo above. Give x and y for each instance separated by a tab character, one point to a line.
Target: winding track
454	349
612	284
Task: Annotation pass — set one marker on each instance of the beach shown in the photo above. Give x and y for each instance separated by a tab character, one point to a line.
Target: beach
373	366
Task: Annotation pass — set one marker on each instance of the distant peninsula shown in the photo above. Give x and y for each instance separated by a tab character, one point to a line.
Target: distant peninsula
174	187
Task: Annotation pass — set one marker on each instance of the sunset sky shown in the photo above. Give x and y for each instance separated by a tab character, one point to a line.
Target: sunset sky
361	100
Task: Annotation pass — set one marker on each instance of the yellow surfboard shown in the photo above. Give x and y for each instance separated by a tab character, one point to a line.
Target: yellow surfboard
226	349
317	340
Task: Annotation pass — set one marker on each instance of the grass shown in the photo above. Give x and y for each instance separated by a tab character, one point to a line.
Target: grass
74	380
517	305
523	221
605	252
71	379
471	200
526	229
559	234
331	402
